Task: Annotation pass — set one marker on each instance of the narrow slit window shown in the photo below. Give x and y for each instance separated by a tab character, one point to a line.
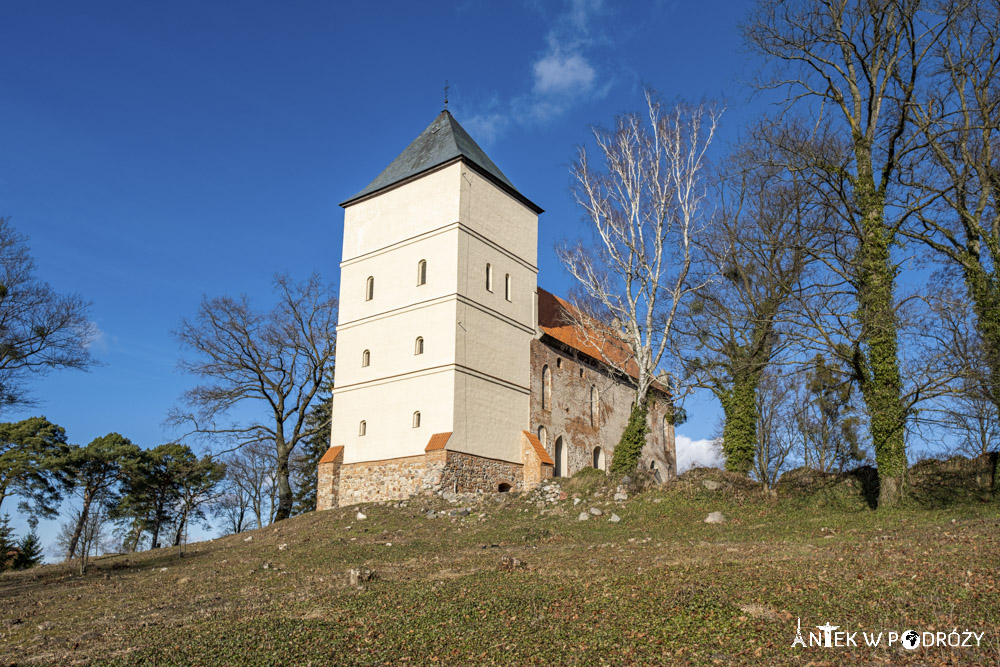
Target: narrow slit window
370	288
546	388
416	419
422	272
489	277
506	286
418	346
362	427
366	358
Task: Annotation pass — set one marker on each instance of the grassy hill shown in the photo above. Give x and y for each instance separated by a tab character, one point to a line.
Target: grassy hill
522	580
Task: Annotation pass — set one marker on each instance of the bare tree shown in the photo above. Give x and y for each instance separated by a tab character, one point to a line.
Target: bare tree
736	326
969	410
776	429
958	118
39	329
272	362
644	200
251	475
850	68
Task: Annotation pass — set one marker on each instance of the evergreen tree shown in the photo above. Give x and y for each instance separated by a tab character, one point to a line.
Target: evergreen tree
8	544
313	448
94	470
30	553
31	458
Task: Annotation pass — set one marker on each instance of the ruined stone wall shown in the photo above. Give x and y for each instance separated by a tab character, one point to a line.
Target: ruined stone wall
568	413
466	473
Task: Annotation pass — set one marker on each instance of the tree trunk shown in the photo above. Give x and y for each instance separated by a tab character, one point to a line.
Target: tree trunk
985	296
881	384
180	530
81	522
739	433
157	521
284	487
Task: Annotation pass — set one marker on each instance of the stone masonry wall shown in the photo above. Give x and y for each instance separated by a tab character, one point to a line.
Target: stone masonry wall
392	479
327	486
465	473
568	413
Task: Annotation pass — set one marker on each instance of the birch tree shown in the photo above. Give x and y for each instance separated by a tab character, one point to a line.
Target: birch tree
643	195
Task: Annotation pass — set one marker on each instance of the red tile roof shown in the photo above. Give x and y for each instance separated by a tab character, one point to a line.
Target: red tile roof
536	444
559	319
437	441
331	455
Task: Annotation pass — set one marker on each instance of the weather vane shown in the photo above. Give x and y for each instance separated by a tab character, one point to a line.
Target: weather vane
446	86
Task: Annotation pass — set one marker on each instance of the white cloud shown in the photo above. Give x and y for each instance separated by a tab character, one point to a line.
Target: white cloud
695	453
563	74
558	74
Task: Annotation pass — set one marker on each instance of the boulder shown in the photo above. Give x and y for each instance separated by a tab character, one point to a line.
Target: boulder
716	517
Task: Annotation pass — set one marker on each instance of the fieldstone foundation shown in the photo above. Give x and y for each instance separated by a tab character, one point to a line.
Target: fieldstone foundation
437	469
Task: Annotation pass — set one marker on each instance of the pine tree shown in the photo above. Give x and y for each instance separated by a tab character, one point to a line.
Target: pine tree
30	553
8	544
313	448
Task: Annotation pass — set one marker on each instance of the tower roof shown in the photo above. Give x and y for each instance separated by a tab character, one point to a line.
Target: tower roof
443	141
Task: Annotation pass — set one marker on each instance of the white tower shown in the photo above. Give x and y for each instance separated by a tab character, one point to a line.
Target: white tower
437	315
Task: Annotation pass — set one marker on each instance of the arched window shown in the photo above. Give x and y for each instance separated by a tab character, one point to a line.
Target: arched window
543	436
418	346
370	288
546	388
362	427
489	277
366	358
503	488
422	272
560	458
598	458
506	287
595	406
416	419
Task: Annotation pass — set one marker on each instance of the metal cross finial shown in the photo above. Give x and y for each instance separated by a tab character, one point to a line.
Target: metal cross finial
446	87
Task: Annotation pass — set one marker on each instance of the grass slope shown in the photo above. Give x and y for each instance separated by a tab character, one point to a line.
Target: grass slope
661	586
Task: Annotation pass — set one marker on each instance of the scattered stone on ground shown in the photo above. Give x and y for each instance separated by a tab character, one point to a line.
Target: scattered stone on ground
583	516
361	516
248	538
282	547
716	517
510	563
711	485
596	511
360	575
614	518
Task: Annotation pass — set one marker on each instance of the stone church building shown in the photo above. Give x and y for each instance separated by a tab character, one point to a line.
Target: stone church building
455	371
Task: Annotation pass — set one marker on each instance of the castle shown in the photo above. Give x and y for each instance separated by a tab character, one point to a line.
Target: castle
455	371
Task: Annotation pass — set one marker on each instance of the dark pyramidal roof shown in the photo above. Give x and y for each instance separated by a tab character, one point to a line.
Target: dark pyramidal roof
443	141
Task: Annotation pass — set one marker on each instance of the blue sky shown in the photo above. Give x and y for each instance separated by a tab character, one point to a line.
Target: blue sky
156	152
